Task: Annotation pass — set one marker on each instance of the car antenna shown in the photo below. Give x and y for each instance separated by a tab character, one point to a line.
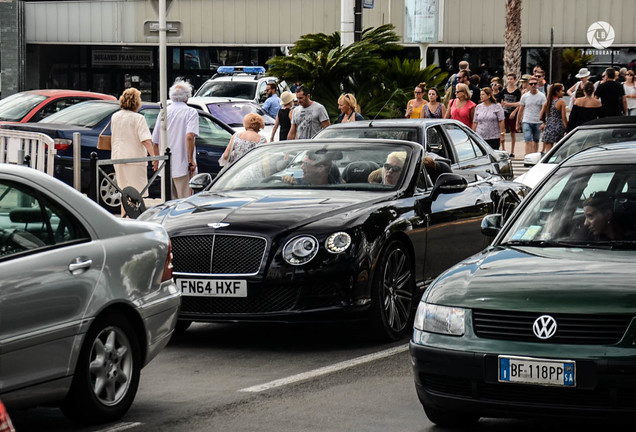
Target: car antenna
387	101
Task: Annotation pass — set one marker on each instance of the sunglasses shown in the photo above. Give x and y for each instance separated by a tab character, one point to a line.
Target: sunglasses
394	168
534	84
418	92
459	91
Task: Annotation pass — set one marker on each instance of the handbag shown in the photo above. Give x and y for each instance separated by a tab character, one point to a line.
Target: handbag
103	141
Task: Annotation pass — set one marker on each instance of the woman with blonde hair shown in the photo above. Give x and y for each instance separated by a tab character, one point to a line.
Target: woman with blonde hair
242	142
348	109
461	108
392	168
130	138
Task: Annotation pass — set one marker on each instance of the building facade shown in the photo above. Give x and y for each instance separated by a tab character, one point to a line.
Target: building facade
108	45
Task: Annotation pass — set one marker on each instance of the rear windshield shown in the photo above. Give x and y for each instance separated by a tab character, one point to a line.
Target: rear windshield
585	138
85	114
15	107
397	133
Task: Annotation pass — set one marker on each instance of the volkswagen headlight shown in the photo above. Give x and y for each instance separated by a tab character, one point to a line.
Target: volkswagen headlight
440	319
338	242
300	250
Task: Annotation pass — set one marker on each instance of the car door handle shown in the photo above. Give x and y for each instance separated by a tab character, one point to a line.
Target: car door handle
202	153
79	265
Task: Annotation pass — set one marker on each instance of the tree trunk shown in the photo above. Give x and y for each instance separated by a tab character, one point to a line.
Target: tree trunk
512	37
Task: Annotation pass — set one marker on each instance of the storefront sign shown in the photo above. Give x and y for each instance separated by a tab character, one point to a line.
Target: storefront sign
122	58
421	21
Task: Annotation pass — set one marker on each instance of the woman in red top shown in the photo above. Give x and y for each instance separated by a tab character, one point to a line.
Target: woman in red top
461	108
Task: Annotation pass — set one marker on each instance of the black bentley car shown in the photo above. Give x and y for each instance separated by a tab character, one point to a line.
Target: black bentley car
315	230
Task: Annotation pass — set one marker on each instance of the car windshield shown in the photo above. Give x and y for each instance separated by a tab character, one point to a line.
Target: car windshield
582	206
85	114
232	113
320	165
585	138
222	88
398	133
15	107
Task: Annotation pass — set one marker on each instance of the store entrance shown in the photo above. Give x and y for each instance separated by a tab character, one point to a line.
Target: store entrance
116	81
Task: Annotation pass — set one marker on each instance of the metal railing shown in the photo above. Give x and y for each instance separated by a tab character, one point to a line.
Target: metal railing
34	149
96	172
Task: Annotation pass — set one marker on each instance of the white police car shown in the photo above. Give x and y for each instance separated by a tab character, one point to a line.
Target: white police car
243	82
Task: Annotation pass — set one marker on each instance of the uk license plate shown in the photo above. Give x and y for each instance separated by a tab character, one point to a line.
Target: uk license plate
213	287
529	370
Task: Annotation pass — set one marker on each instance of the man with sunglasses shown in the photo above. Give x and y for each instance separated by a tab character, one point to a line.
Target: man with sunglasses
528	118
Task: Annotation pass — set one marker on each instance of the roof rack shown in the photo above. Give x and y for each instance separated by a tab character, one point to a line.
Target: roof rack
230	70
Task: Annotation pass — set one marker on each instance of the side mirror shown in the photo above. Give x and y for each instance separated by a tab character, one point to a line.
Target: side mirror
491	224
200	182
532	159
449	183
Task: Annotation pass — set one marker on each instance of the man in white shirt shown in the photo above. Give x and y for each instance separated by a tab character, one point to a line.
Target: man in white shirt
182	129
528	118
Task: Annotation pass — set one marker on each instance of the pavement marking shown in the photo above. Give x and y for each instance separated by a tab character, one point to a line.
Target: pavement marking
326	370
120	427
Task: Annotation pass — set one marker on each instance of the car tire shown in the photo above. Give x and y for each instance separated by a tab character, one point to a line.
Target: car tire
450	419
393	293
108	195
107	372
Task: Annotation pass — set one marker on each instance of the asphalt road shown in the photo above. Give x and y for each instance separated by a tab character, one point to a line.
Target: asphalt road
275	378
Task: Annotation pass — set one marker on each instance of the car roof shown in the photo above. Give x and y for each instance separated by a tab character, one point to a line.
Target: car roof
217	99
604	154
610	121
393	123
63	92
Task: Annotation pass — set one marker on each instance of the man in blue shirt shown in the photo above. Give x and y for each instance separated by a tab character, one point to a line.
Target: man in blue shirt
272	104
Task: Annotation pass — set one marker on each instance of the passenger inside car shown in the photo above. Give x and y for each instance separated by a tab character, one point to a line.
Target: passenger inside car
392	168
435	168
603	222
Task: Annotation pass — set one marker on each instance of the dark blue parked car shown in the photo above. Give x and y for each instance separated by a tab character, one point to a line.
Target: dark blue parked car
90	118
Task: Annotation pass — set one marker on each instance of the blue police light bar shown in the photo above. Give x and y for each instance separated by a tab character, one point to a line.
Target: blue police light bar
254	69
245	69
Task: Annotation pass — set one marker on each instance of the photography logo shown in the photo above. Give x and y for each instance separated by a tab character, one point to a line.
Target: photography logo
600	35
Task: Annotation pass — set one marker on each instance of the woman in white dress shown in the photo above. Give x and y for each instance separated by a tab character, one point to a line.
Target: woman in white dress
130	138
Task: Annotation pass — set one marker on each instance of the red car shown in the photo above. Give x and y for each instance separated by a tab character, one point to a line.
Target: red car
5	421
34	105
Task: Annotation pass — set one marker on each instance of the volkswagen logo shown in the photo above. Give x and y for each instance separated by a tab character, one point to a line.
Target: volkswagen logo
544	327
216	225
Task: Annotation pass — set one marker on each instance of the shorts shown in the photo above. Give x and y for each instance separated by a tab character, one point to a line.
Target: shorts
531	132
511	125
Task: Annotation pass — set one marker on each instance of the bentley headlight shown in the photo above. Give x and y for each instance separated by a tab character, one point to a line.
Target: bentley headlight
338	242
440	319
300	250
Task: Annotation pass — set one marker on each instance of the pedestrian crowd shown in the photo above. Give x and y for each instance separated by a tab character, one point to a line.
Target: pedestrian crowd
529	105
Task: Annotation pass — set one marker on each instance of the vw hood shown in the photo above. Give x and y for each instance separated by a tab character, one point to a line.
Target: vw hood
541	279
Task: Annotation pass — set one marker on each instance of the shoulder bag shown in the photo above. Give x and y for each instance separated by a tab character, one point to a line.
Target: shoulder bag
103	141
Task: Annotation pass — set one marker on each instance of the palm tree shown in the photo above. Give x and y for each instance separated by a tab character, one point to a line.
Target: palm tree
512	37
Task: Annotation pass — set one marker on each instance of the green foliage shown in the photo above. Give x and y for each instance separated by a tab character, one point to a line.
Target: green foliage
369	69
574	59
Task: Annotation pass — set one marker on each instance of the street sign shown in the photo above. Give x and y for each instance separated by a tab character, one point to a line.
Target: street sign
173	28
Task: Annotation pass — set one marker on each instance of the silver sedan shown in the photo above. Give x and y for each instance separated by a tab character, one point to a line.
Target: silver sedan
86	299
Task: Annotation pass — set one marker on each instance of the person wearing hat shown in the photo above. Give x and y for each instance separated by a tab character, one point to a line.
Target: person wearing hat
576	91
524	83
283	118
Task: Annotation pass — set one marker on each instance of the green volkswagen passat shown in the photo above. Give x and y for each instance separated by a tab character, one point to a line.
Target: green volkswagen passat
542	322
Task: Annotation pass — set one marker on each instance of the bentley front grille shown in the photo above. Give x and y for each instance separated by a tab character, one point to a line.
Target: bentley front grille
220	254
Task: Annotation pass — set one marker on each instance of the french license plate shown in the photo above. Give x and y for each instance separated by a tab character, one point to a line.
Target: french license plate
213	287
528	370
